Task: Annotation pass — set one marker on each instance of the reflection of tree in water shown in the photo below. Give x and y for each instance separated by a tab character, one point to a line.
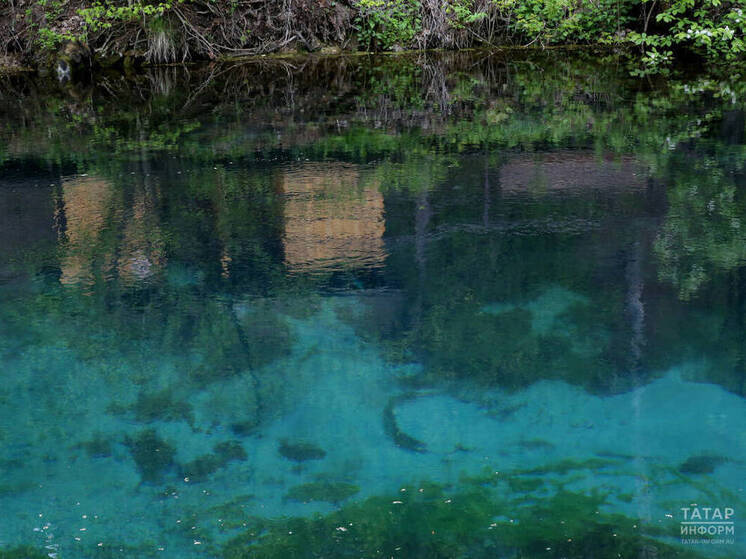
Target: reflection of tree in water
704	232
405	92
403	131
700	252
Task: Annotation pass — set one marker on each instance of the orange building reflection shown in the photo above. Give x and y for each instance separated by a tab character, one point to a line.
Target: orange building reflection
86	202
103	238
332	222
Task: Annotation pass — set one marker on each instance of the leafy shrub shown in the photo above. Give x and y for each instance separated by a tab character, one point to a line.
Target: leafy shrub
715	29
102	15
381	24
566	21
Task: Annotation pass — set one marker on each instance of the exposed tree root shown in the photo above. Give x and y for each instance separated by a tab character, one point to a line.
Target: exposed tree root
209	29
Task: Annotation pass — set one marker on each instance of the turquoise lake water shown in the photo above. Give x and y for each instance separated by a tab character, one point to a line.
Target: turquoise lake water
475	306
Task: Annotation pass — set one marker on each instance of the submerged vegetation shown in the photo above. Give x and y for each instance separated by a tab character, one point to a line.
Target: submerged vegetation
162	31
325	491
153	456
300	451
24	552
392	430
702	464
203	466
432	522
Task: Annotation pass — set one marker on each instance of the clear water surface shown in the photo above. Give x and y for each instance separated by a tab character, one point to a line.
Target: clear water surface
483	305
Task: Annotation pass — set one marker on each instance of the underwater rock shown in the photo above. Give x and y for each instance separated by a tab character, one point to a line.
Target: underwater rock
322	491
330	50
152	455
391	428
300	451
73	57
704	464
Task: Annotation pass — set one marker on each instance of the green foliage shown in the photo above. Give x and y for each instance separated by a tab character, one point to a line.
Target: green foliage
463	13
703	233
714	29
566	21
103	14
50	39
382	24
51	23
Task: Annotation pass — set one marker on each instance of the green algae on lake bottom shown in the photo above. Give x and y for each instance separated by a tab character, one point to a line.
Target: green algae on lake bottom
161	405
230	450
430	522
391	427
203	466
97	447
152	455
322	491
23	552
703	464
300	451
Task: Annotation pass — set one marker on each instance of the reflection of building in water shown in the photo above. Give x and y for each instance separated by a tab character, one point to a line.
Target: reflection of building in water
142	251
331	222
570	171
101	238
86	203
